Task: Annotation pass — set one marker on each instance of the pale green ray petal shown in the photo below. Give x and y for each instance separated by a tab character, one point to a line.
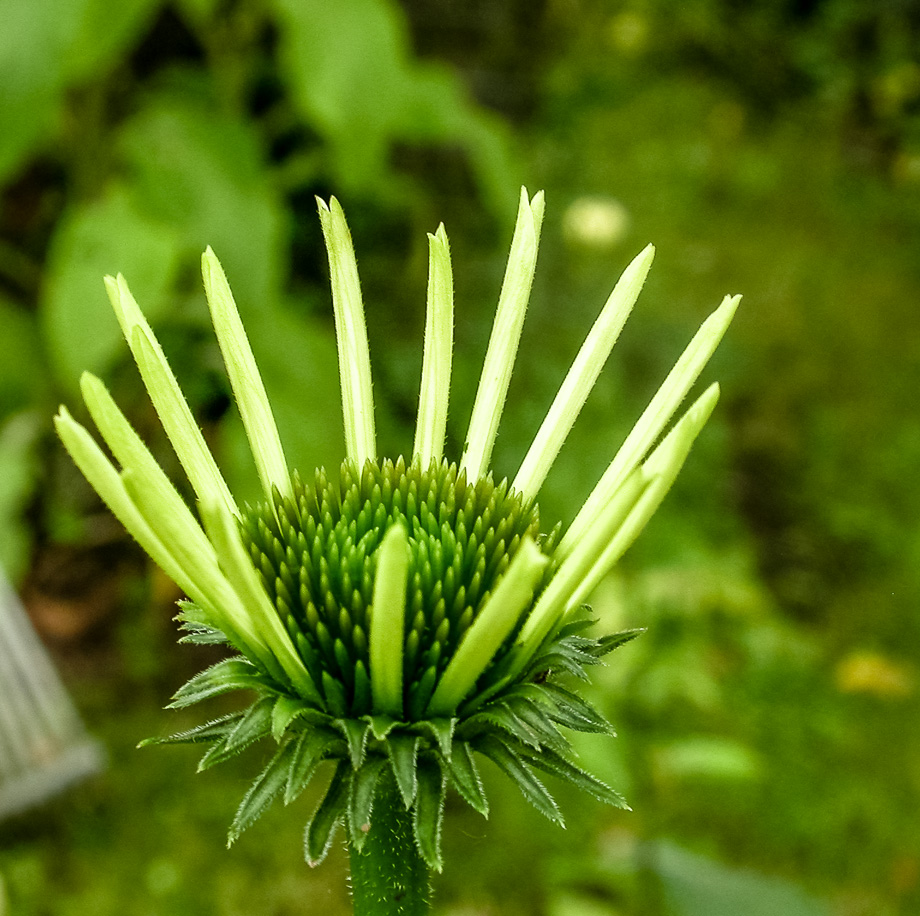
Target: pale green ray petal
161	508
552	603
654	418
210	588
125	444
175	525
136	460
582	376
224	533
188	567
351	335
490	629
106	481
387	622
170	404
661	470
439	325
506	336
245	379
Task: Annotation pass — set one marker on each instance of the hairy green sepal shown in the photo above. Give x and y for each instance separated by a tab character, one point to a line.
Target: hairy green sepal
378	768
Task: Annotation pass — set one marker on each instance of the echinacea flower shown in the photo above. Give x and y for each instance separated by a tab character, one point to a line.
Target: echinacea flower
394	617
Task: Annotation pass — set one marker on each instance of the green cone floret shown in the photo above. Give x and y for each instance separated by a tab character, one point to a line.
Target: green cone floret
393	621
316	555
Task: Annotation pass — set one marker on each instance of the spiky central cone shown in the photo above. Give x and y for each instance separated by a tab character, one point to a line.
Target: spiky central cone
316	557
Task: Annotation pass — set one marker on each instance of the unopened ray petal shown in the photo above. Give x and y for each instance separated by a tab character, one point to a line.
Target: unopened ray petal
148	496
661	470
439	325
387	621
177	527
170	404
655	417
237	566
104	478
581	377
128	448
119	491
245	379
210	587
351	335
552	603
492	626
505	338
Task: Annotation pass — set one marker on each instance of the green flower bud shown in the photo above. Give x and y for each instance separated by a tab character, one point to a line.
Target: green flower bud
394	618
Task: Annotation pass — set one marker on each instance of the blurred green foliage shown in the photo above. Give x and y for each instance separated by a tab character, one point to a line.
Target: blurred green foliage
768	717
132	138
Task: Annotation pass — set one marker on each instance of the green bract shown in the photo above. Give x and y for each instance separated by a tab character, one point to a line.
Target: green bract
393	617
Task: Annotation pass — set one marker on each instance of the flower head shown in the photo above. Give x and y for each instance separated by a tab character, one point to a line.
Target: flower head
393	616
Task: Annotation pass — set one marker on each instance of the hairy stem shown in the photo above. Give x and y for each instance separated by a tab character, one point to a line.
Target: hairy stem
389	876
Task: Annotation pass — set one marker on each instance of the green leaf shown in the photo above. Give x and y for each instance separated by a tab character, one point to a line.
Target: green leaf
402	749
381	726
429	810
100	32
191	620
465	776
104	236
213	730
361	799
309	751
190	613
573	712
499	715
356	732
23	378
563	658
321	827
285	711
265	787
352	76
566	650
694	885
47	46
575	623
441	731
199	11
32	89
255	724
201	172
521	775
613	641
556	765
538	721
341	61
202	635
516	724
230	674
20	437
707	758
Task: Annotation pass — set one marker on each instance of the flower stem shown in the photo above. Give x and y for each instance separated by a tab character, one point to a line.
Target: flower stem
388	875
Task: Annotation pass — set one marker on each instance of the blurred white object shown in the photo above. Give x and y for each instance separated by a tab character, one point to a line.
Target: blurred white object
595	222
44	747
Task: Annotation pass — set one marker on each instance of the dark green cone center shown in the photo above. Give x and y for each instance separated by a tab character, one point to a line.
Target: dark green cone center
315	554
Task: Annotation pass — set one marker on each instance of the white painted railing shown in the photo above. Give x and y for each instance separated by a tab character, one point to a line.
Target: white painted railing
44	746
